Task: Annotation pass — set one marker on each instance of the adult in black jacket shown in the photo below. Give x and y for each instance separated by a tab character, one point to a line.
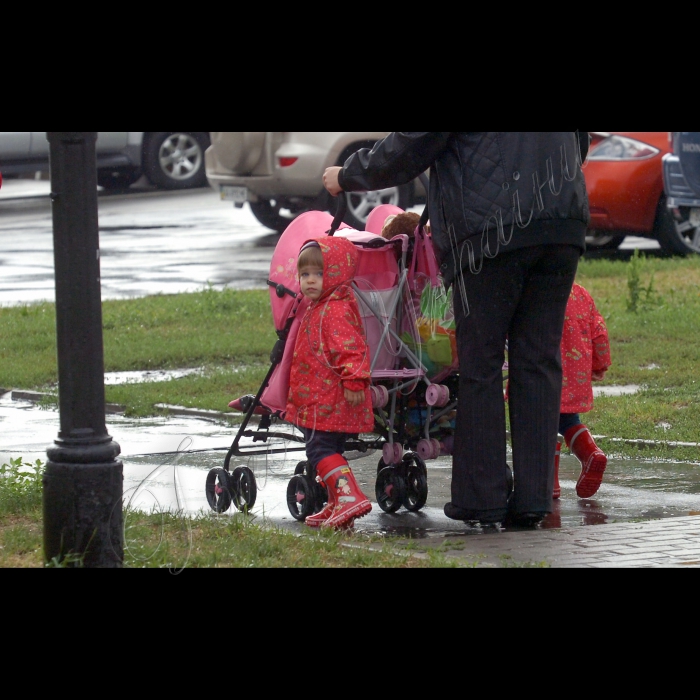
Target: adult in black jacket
508	215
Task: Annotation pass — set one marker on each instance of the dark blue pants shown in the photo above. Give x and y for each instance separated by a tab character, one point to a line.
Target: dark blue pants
520	296
568	420
320	445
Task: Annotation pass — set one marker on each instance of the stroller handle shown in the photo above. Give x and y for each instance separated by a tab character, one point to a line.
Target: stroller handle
340	213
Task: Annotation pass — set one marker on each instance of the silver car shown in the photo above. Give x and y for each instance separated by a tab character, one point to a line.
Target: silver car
170	160
279	173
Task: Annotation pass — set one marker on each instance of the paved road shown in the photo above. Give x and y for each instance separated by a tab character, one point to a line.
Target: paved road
151	241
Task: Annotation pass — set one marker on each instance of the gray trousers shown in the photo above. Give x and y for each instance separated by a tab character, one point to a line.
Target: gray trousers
519	297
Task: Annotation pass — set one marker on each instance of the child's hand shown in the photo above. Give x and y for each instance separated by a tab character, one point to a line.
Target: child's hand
354	398
598	375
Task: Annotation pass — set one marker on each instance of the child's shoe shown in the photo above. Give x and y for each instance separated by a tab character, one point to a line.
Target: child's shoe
593	460
244	403
317	519
344	495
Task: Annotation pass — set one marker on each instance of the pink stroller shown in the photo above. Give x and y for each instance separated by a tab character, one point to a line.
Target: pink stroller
411	390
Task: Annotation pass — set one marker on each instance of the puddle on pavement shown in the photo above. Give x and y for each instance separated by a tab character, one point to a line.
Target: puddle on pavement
156	375
166	461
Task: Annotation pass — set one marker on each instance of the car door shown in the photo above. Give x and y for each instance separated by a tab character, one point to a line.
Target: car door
39	145
108	141
14	145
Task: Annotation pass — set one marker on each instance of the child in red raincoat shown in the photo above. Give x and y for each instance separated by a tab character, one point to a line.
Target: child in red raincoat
585	356
329	397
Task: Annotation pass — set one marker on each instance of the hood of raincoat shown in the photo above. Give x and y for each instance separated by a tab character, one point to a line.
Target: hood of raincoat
340	259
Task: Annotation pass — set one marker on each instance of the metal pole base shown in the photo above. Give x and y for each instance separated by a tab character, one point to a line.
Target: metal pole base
83	519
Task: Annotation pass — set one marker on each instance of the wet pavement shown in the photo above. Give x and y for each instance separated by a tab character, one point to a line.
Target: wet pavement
645	513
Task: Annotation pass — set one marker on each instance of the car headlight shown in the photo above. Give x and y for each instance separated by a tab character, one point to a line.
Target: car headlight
621	148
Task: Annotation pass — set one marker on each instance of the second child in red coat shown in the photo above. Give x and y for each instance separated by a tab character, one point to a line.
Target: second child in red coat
329	397
585	356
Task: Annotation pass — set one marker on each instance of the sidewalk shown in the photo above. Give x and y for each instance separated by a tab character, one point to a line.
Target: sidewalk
665	543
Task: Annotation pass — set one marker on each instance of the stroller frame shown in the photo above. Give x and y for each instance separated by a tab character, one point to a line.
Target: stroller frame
401	474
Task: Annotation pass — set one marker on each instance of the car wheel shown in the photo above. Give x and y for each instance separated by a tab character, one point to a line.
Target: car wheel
120	179
360	204
678	237
599	240
174	160
270	214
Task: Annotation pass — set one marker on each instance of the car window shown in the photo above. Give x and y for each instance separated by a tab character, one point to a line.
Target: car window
14	144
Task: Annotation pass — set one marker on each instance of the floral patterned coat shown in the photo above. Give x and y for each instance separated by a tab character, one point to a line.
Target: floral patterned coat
331	352
585	348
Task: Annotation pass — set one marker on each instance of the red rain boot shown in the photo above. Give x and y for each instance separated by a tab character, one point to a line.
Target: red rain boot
593	460
556	493
324	465
349	501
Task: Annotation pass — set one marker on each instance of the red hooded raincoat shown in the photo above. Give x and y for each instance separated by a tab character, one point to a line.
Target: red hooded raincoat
331	353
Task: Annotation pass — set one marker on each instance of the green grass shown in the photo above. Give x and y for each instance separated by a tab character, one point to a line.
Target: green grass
651	306
169	540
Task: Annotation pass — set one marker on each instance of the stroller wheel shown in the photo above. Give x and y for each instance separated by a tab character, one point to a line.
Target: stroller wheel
392	453
437	395
416	488
243	488
390	490
218	490
301	497
380	396
428	449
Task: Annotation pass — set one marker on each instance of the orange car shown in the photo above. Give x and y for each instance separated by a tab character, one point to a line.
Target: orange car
624	179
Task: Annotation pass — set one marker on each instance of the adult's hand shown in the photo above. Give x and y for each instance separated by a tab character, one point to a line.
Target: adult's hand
330	180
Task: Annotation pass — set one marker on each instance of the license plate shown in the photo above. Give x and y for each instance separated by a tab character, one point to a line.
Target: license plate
231	193
695	217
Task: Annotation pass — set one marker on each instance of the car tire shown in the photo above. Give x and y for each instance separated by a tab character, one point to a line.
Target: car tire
600	240
269	213
117	179
361	204
174	160
676	237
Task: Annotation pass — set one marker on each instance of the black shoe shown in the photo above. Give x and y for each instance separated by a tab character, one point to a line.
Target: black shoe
524	520
483	517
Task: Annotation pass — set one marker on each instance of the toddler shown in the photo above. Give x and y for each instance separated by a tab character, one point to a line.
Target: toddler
329	397
585	356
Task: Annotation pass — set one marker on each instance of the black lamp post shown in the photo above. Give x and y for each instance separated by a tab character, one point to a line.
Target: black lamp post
83	481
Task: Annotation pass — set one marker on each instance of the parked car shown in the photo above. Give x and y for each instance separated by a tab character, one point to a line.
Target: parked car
170	159
624	179
279	173
682	187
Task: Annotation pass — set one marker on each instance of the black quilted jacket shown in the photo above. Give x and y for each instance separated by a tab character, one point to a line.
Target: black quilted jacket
490	191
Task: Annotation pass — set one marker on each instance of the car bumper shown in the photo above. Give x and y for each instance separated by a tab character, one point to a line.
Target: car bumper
678	193
609	185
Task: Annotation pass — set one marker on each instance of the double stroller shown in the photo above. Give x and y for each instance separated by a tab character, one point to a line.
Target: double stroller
407	316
